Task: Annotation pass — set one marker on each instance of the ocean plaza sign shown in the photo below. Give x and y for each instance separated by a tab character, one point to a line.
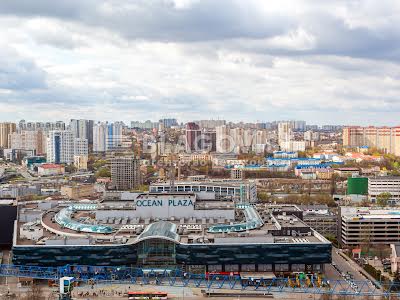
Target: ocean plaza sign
163	202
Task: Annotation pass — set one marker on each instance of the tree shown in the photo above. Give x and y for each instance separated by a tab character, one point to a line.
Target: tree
383	198
103	172
35	292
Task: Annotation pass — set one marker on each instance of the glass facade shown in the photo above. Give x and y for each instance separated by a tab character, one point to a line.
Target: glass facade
156	251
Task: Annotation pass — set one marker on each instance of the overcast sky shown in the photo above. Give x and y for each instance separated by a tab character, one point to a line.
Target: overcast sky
327	62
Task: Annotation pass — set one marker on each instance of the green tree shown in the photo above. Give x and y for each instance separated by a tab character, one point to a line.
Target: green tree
383	198
103	172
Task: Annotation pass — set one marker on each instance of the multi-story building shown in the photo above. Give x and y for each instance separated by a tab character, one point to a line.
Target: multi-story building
107	136
383	138
168	123
99	137
367	226
285	133
77	191
193	136
293	146
81	147
224	142
50	170
6	129
210	124
239	190
310	135
172	229
299	125
384	184
29	140
58	125
82	129
125	173
147	125
325	223
60	147
81	162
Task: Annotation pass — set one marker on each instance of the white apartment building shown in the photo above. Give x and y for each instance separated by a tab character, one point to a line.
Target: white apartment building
60	147
99	137
311	135
285	133
293	146
363	225
384	184
224	141
107	137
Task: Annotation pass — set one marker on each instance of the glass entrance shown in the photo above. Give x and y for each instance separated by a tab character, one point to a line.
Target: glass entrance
156	252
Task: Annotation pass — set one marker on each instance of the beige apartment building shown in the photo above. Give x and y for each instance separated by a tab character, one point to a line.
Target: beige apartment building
384	138
6	129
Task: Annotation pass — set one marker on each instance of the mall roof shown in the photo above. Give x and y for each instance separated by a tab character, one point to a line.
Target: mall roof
162	229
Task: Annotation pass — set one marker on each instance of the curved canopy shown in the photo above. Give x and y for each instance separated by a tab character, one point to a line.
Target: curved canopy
253	221
63	218
161	229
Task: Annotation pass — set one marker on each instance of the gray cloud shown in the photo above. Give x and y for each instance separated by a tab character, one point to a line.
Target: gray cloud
228	58
19	73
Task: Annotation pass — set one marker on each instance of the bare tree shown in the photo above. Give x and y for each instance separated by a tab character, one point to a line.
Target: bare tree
35	292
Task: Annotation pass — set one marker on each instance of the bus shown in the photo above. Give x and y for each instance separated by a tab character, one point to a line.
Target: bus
147	295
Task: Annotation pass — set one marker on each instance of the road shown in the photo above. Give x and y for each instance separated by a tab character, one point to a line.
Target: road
350	267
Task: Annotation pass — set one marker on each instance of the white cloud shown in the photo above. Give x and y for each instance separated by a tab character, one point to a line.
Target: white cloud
200	59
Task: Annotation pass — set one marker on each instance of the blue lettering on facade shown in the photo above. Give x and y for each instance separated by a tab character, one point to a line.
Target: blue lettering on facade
149	203
159	202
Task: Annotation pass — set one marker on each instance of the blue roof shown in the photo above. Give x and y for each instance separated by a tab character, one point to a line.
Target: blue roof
319	166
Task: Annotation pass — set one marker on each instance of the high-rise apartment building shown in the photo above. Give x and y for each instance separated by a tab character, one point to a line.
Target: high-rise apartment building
383	138
60	147
82	129
6	129
210	124
29	140
99	137
58	125
147	125
284	132
224	141
310	135
193	136
125	173
107	137
168	123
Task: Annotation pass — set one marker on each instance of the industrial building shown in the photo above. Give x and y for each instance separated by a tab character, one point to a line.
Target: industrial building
170	230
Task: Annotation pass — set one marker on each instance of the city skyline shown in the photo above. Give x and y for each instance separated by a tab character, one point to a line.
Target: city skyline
199	59
184	121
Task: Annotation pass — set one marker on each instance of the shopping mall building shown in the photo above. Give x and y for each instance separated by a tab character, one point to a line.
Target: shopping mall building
169	230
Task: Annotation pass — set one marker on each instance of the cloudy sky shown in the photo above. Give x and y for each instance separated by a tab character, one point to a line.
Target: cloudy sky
327	62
